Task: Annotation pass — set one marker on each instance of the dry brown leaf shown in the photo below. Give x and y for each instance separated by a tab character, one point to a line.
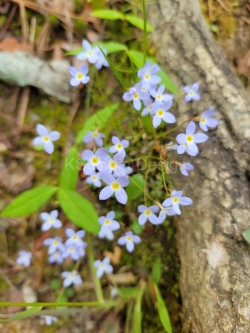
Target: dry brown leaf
123	278
115	256
244	65
12	45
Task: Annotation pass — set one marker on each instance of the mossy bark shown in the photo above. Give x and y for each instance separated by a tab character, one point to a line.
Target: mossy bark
215	261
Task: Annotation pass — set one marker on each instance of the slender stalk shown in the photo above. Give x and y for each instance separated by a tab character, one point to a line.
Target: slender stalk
49	304
144	32
132	180
98	287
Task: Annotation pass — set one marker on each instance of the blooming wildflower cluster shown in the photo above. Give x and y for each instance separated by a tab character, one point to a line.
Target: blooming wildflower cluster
94	56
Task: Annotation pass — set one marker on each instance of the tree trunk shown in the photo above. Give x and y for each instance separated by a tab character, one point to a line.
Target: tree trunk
215	262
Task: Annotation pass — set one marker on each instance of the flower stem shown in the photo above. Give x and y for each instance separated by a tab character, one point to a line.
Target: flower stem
49	304
98	287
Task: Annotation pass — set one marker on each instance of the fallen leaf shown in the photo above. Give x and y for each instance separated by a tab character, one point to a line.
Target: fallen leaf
115	256
121	279
12	45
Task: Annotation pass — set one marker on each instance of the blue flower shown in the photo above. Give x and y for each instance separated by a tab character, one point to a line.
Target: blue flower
135	94
185	167
45	139
113	165
71	278
75	238
148	103
49	320
115	186
103	267
90	54
108	225
74	251
50	220
129	240
95	160
90	136
160	113
148	78
94	179
159	95
24	258
191	93
119	146
54	244
176	200
56	257
206	120
169	211
148	213
79	76
101	60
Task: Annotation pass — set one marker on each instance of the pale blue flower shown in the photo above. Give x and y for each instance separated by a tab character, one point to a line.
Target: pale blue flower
101	60
135	94
129	240
56	257
50	220
71	278
75	238
79	76
185	167
108	225
90	136
169	211
54	244
45	139
103	267
94	179
148	103
153	68
206	121
118	146
90	54
176	200
24	258
148	78
148	213
191	93
160	113
171	146
74	252
159	95
113	165
115	186
49	320
95	160
188	141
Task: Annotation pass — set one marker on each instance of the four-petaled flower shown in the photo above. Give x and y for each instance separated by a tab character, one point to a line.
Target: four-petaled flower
90	136
176	200
206	120
135	94
169	211
50	220
75	238
56	257
54	244
24	258
148	213
94	160
160	113
113	165
185	167
103	267
94	179
79	76
73	251
90	54
49	320
191	93
115	186
45	139
188	141
129	240
148	103
148	78
119	146
71	278
108	225
101	60
159	95
171	146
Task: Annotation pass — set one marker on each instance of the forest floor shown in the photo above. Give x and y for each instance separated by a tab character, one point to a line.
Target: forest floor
22	167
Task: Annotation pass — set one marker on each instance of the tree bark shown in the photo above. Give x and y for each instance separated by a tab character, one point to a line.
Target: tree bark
215	261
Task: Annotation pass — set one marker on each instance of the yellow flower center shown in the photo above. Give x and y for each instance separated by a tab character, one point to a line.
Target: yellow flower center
204	120
94	160
189	138
191	92
160	113
102	265
71	276
90	53
158	96
94	177
51	220
46	138
175	200
55	242
113	165
107	222
119	146
146	77
147	212
150	107
71	249
79	76
115	186
95	135
136	95
129	238
75	237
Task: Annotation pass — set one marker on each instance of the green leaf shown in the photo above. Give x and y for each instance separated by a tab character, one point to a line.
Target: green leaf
137	59
156	271
21	315
108	14
29	201
69	174
55	284
136	187
112	47
75	51
162	311
129	291
62	298
246	235
79	210
137	313
138	22
99	119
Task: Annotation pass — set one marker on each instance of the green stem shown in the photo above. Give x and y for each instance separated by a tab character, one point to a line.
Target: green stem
49	304
132	180
172	130
144	32
98	287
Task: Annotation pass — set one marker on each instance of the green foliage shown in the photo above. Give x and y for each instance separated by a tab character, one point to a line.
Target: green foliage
99	119
55	284
156	271
137	313
29	201
137	22
162	311
110	47
136	187
137	58
69	174
21	315
246	235
79	210
129	291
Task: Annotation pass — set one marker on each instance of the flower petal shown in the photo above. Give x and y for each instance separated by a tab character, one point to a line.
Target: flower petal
101	153
54	213
121	196
142	219
106	193
200	137
88	168
190	128
87	155
122	240
185	201
181	139
54	135
41	130
49	147
73	71
130	246
38	141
